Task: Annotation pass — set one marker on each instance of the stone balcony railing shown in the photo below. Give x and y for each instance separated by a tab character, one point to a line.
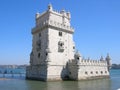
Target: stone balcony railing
92	62
53	24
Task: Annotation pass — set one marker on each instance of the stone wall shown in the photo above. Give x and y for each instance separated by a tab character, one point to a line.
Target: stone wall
87	69
37	72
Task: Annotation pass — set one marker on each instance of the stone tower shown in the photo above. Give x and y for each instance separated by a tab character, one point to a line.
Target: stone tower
53	56
52	45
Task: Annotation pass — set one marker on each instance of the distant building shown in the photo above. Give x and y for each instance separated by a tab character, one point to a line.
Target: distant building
53	56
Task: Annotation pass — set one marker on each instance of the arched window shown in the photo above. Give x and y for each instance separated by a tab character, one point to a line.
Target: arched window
101	72
38	55
60	46
86	72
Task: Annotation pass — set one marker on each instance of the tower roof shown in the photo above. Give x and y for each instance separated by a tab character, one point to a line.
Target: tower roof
108	57
101	59
50	7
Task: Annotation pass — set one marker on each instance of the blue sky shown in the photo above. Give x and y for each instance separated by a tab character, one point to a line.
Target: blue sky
96	23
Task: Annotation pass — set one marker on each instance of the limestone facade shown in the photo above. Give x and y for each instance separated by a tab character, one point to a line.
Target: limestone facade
53	56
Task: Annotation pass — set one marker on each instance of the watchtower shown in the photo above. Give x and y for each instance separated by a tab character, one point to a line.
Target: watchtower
52	45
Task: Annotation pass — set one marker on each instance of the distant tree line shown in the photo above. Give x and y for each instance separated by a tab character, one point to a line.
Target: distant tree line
115	66
14	66
6	72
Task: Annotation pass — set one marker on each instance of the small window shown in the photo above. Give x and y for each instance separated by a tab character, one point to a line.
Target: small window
46	54
38	55
39	34
105	71
101	72
96	72
60	33
86	73
61	44
38	43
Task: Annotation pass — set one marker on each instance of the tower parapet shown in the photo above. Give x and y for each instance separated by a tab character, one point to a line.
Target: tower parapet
53	24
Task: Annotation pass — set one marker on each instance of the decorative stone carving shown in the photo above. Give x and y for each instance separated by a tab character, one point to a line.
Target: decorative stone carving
60	46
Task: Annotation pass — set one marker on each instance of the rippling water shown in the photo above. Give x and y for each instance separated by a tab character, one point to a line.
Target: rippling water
101	84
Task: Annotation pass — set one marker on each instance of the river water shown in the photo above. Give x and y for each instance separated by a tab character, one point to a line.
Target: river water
19	83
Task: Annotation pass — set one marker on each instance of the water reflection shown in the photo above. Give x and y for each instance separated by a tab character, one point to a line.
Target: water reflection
19	83
101	84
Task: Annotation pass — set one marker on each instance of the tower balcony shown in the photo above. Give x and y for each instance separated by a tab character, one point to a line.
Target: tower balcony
54	25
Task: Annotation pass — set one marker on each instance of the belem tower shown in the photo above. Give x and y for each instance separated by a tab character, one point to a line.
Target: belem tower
53	56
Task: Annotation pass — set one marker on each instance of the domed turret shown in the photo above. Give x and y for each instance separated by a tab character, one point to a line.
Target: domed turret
68	14
101	59
50	7
108	59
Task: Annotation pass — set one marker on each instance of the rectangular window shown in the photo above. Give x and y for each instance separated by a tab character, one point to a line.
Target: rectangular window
60	33
39	34
38	55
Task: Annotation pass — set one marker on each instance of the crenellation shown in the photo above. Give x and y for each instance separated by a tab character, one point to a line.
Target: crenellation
92	62
52	23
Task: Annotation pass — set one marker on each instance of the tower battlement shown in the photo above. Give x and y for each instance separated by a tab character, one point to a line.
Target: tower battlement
53	24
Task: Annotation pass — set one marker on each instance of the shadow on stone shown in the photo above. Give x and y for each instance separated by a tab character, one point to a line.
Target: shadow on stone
70	71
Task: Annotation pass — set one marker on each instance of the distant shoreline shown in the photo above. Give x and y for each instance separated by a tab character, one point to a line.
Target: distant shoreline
4	79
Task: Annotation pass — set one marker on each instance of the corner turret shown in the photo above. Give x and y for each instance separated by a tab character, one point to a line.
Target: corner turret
77	56
108	59
50	7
